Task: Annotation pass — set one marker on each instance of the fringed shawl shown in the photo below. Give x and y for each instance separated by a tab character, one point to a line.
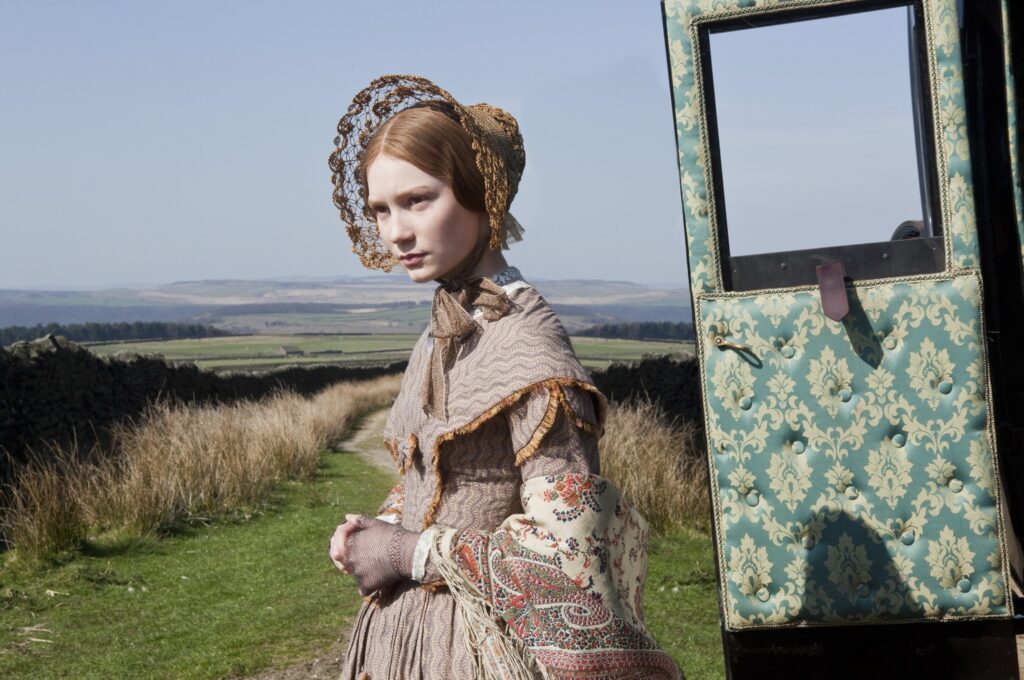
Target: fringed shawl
566	577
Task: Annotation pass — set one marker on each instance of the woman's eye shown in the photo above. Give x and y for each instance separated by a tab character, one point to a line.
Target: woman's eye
380	209
417	200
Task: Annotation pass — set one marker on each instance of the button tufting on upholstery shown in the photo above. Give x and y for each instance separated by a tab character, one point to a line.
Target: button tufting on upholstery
897	375
845	394
746	403
788	352
964	585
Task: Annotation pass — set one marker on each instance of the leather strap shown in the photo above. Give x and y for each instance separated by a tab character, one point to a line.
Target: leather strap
832	287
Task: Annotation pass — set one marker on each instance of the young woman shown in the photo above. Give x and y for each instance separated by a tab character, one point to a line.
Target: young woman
502	554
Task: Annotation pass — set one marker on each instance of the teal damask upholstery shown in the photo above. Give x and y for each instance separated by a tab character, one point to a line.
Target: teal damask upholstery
853	470
852	463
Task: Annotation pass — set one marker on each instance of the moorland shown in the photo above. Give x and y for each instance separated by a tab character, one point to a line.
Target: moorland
195	547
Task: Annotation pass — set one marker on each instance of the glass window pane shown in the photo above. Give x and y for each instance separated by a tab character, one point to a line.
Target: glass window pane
816	131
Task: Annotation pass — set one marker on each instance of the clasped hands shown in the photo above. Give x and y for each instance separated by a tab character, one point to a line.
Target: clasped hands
374	552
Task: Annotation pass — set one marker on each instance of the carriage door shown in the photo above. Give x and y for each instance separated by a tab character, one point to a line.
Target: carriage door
834	270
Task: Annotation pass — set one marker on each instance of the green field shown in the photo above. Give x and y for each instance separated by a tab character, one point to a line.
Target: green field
233	598
368	321
265	351
227	599
602	352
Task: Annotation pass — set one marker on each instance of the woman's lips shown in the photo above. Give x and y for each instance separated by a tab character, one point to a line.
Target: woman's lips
411	259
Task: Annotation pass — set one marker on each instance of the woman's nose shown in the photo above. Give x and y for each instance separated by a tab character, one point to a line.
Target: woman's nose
399	230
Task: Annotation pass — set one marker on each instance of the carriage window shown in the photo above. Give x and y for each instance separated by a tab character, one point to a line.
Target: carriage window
821	140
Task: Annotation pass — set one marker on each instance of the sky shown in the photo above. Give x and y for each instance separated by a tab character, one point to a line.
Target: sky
833	161
145	143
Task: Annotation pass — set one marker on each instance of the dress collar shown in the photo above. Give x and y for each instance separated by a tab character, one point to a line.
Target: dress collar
507	276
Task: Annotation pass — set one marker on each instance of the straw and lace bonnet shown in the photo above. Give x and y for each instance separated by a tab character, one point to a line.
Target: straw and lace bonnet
493	133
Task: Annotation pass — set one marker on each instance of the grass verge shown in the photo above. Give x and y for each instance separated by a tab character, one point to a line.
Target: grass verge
681	602
228	599
670	488
181	464
232	599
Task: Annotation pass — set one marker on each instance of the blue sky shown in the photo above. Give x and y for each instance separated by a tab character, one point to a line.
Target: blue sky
161	141
831	162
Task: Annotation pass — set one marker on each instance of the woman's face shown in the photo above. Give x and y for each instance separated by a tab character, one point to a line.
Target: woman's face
427	230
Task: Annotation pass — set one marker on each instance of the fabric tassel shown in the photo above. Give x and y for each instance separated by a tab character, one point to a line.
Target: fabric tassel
497	654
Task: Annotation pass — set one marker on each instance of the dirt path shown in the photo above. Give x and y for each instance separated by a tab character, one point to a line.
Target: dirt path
365	443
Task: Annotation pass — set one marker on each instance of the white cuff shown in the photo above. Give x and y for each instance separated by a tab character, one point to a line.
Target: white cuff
419	556
390	519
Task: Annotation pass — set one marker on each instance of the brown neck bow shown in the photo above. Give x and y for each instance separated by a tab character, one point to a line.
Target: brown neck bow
450	326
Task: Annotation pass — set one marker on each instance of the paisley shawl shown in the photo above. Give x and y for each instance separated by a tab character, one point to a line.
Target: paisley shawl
565	576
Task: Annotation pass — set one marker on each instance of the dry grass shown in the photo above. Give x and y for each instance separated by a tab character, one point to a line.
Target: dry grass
44	514
658	465
179	463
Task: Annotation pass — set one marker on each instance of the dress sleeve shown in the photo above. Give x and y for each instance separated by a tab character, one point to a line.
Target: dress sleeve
391	509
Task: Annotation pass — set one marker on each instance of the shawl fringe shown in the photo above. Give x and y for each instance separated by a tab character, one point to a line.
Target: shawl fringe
496	654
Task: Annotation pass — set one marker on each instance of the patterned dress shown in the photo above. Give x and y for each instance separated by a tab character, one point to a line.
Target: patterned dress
520	408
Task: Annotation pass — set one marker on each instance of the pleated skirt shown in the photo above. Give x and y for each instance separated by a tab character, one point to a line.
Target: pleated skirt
414	635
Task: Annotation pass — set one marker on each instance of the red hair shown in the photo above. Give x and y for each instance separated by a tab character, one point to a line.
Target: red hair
434	141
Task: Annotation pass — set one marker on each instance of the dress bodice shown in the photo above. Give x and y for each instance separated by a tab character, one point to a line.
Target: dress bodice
481	482
465	472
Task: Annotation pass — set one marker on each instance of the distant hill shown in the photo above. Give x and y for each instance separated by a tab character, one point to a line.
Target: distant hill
372	304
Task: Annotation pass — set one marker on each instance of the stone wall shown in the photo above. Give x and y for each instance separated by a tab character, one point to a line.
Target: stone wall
52	390
673	383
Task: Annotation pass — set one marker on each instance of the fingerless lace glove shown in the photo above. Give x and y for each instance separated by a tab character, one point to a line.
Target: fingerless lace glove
380	554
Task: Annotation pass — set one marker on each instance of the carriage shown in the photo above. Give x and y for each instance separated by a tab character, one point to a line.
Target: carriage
860	335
